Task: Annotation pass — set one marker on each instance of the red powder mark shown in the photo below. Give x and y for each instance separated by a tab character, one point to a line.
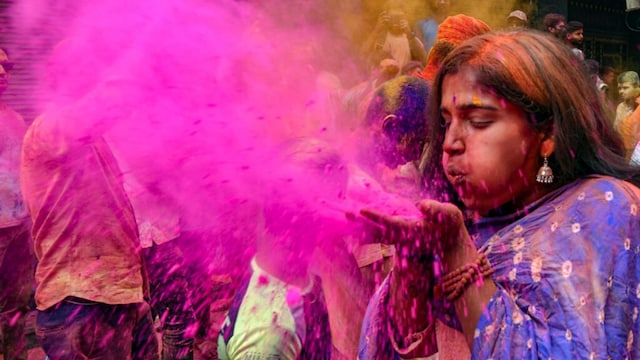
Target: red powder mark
263	280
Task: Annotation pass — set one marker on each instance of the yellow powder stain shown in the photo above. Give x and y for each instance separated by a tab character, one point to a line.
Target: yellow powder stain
392	91
476	100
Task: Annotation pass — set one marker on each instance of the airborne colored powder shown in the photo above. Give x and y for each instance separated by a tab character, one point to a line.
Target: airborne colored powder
196	99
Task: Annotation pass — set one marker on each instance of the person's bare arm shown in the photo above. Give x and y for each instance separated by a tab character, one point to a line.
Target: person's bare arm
369	45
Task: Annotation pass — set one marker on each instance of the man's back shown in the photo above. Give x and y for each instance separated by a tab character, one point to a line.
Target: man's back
84	228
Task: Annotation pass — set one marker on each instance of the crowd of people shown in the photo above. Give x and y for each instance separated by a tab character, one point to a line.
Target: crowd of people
489	211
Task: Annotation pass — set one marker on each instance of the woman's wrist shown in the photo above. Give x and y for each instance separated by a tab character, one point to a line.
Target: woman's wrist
456	282
468	284
409	301
460	253
412	279
411	335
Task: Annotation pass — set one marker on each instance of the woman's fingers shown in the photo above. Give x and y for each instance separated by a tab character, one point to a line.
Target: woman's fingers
443	214
392	222
441	224
397	230
448	228
374	216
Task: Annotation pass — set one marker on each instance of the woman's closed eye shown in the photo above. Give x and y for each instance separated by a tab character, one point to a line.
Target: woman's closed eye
476	122
480	123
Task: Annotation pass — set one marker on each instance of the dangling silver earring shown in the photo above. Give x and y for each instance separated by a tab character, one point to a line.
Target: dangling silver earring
545	174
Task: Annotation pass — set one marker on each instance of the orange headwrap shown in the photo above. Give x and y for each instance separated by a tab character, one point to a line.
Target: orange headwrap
453	31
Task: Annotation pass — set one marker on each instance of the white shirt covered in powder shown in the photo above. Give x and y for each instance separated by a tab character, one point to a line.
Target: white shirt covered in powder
272	319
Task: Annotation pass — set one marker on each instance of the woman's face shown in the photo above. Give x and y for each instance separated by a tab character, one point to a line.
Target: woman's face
491	154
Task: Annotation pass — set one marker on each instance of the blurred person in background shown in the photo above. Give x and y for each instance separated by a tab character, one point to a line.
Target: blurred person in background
574	35
517	19
355	100
279	310
159	226
427	29
92	285
554	24
628	90
395	128
627	122
16	249
453	30
592	67
608	75
392	34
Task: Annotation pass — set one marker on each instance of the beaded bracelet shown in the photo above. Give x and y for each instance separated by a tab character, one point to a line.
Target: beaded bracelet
456	282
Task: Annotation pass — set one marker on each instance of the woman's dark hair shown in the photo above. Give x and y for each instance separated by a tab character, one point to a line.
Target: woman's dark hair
541	76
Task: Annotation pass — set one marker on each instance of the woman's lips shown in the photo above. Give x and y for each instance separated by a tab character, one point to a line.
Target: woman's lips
457	180
456	175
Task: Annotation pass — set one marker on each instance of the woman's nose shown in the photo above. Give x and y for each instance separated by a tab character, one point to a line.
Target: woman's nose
454	138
